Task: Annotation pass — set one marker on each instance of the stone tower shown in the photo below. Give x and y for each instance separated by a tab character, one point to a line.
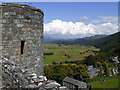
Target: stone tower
21	35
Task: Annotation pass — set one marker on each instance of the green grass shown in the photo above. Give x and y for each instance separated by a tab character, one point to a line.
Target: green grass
109	83
72	50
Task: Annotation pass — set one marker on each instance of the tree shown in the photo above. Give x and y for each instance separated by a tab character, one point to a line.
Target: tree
48	71
90	60
99	66
105	68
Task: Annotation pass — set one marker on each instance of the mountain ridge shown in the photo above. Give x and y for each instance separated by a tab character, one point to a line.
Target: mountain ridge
81	41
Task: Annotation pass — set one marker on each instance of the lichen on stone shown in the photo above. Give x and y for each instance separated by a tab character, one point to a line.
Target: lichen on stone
24	6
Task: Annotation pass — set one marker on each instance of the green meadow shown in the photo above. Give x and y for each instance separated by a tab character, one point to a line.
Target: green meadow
110	83
62	53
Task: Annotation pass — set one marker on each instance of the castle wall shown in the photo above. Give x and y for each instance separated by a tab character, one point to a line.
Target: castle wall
22	36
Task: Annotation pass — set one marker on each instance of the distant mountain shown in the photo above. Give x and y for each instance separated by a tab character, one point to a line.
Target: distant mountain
48	39
95	37
107	43
81	41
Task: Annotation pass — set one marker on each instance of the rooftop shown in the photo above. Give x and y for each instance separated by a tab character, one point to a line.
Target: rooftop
75	82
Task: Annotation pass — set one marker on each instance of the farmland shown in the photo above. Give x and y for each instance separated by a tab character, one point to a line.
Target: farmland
57	53
109	83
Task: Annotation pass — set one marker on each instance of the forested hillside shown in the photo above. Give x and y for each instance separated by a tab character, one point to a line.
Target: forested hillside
109	46
107	43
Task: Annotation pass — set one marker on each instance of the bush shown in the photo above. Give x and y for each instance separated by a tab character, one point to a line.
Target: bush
58	72
49	53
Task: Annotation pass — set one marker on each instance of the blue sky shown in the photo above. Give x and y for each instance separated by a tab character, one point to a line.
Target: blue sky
72	11
68	20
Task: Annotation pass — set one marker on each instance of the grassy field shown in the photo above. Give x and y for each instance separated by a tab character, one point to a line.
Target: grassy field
110	83
62	53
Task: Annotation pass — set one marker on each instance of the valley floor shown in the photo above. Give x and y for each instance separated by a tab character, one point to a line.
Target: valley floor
57	53
108	83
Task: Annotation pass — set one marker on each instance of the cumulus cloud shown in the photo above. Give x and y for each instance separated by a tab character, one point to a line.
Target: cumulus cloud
78	29
104	19
84	18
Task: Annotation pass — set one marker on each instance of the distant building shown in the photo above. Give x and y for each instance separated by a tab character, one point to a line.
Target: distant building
73	84
114	59
93	71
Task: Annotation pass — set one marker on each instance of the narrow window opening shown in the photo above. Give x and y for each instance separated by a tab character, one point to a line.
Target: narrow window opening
22	47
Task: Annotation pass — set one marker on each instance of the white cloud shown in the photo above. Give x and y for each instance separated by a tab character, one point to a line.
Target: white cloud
78	29
84	18
104	19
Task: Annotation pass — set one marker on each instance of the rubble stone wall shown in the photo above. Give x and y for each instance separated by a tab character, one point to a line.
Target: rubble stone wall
15	78
22	24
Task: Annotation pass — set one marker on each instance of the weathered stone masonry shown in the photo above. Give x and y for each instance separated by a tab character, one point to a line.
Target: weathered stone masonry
22	36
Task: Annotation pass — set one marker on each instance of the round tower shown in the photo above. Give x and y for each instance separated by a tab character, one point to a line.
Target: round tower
22	36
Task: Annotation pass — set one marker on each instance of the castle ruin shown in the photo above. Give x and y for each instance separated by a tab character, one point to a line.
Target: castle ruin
21	35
